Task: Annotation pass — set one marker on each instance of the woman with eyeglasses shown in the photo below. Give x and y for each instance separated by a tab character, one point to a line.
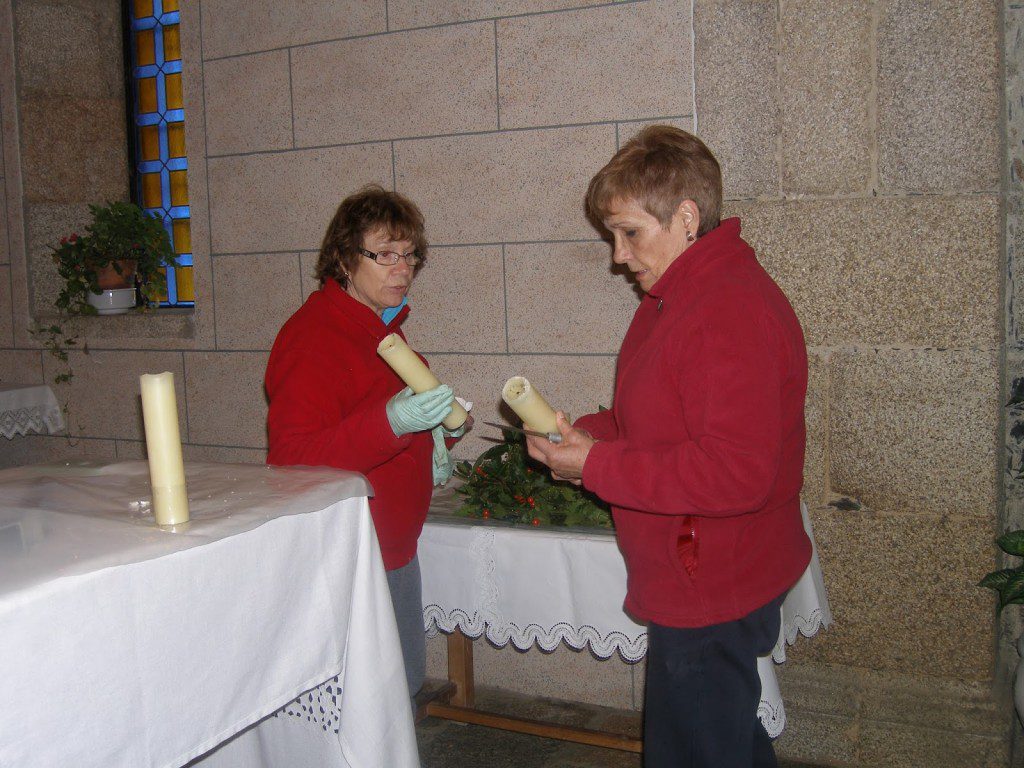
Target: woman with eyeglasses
334	402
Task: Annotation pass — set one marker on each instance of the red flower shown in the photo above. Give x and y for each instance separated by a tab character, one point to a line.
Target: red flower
74	236
529	500
63	241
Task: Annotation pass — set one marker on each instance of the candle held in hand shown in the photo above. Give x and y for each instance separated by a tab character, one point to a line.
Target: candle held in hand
415	373
523	398
163	444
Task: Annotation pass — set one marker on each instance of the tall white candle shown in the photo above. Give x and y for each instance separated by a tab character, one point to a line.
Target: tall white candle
413	372
523	398
163	444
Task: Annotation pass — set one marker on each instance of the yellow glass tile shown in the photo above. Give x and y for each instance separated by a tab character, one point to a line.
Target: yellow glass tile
172	43
145	47
182	229
151	195
150	138
163	293
179	187
172	84
147	94
186	286
176	139
143	9
170	5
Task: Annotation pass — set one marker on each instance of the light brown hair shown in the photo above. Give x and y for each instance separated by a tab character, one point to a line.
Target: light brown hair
659	168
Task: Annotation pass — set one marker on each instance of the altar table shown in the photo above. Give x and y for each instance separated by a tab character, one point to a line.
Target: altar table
547	586
126	644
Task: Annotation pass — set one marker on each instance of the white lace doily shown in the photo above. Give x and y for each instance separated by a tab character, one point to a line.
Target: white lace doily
29	409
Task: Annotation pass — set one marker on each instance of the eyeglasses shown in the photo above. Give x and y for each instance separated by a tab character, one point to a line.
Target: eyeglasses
390	258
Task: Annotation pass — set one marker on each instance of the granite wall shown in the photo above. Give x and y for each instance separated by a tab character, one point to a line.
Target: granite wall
862	146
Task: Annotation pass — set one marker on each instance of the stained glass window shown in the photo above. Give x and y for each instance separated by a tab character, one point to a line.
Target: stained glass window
158	117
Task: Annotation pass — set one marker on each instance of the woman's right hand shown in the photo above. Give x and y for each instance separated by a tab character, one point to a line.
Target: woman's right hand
564	459
409	412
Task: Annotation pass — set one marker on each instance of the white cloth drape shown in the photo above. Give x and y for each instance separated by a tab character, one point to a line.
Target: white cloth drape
545	587
123	644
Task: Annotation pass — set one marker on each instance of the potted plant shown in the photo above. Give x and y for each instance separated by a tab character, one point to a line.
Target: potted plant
123	249
1008	583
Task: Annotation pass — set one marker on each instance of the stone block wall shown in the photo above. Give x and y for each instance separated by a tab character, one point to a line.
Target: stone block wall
862	146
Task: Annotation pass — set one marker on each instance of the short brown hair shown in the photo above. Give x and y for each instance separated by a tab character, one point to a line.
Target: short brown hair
659	168
367	210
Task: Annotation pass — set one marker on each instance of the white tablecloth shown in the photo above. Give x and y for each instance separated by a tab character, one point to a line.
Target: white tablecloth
25	409
123	644
544	586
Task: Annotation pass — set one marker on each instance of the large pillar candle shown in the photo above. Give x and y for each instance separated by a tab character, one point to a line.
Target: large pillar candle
523	398
413	372
163	444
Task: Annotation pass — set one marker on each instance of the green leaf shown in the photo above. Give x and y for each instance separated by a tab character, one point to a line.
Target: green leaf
1012	590
1012	543
997	579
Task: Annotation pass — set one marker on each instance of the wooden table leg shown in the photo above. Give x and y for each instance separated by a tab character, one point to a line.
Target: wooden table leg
460	668
459	705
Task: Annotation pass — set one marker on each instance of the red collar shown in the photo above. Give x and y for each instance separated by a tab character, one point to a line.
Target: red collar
709	246
361	314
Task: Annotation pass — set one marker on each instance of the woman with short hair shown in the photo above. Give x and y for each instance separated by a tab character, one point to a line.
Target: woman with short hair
701	454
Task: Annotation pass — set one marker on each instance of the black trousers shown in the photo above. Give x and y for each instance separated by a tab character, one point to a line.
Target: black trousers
700	707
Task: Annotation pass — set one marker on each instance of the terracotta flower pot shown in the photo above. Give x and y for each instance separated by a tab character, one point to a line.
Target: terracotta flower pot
109	279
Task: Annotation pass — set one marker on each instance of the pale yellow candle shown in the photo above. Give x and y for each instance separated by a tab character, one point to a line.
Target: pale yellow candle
413	372
523	398
163	444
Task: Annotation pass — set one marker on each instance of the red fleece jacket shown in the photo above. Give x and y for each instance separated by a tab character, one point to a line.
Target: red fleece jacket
328	388
701	455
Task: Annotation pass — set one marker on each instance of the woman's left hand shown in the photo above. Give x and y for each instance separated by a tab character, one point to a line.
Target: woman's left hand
566	459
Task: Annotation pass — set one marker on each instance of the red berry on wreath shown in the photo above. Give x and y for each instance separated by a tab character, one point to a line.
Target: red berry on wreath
536	521
486	513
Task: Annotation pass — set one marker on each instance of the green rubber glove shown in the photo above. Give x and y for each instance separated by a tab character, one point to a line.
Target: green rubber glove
444	467
409	412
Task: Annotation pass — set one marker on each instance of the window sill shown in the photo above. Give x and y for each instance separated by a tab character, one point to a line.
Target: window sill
170	328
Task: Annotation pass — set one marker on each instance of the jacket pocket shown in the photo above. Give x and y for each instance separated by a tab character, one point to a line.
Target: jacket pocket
686	544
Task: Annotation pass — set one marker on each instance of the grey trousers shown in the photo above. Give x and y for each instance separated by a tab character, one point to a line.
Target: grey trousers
407	599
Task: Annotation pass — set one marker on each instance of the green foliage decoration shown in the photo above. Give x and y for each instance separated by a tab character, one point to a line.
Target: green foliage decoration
120	232
59	344
505	484
1008	583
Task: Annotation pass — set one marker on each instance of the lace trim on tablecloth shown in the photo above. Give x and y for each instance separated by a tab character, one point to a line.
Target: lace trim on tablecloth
21	421
318	706
772	718
501	633
808	626
631	649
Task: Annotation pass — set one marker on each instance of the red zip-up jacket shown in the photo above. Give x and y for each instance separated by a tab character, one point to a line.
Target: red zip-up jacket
328	388
701	455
